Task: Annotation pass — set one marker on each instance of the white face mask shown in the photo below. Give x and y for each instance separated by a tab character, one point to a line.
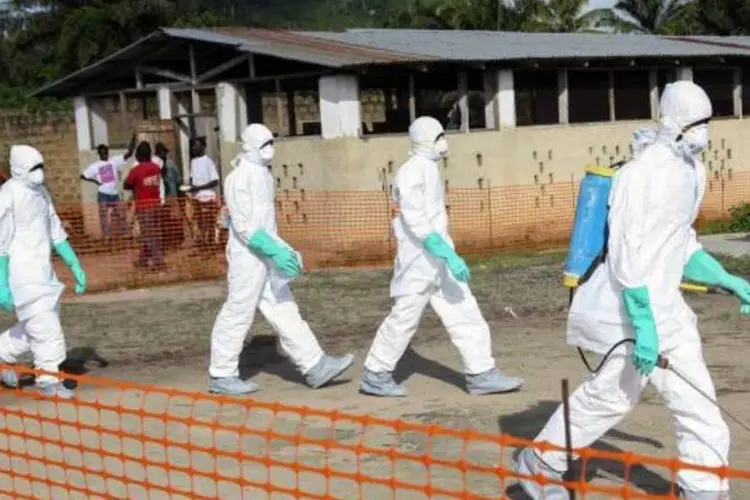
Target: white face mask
441	148
696	138
36	177
266	153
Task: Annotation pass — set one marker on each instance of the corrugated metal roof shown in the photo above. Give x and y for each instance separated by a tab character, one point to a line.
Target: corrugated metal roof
504	46
292	45
362	47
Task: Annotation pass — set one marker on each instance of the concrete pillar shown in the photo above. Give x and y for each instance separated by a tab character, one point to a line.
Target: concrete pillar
340	113
182	112
83	124
653	93
491	103
562	95
737	92
685	73
231	110
164	97
98	117
506	97
463	100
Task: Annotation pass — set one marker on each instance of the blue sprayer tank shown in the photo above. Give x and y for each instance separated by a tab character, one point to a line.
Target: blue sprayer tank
590	223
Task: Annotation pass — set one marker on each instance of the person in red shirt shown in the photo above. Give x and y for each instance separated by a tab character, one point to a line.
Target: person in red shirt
144	180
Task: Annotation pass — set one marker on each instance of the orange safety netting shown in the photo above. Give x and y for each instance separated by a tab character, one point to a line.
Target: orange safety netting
336	229
125	440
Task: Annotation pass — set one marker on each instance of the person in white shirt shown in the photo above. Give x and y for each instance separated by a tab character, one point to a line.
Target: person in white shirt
204	179
105	173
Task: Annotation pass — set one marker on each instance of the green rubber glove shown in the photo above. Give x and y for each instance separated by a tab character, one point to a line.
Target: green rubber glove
702	267
438	247
638	307
284	257
6	298
66	253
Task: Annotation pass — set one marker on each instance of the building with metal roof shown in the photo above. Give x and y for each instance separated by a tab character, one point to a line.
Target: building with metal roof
505	98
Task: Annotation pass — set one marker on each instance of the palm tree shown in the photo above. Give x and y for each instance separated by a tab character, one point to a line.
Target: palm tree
569	16
724	17
650	16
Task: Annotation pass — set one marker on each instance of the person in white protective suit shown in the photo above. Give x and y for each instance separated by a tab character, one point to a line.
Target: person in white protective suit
428	270
261	265
635	294
29	229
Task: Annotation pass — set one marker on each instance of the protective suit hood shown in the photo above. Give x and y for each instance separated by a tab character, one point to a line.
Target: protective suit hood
642	137
427	138
24	165
684	113
257	144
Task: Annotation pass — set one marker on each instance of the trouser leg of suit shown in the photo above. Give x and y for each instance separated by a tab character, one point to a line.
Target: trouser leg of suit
396	331
14	342
468	330
47	343
702	434
604	399
235	319
596	406
296	337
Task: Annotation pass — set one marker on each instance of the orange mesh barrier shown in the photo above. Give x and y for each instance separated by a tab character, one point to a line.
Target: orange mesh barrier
125	440
335	229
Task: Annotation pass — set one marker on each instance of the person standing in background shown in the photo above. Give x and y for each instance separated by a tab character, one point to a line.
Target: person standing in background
144	180
171	180
204	179
105	173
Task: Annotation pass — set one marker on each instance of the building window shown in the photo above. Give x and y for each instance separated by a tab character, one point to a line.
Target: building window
588	96
632	94
477	100
293	109
384	100
436	95
719	85
536	97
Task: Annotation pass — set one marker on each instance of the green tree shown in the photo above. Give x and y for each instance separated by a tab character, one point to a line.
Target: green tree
723	17
664	17
569	16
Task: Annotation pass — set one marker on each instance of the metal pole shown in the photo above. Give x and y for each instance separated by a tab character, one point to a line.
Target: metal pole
568	437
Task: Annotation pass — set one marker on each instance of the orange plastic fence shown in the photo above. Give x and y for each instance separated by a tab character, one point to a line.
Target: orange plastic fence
131	441
334	229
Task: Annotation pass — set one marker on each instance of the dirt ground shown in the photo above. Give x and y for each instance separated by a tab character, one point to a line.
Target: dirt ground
161	336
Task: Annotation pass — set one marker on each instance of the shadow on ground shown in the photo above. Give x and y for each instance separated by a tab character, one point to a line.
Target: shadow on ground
262	355
78	361
527	424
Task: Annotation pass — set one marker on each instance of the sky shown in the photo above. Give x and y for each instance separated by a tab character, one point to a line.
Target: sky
598	4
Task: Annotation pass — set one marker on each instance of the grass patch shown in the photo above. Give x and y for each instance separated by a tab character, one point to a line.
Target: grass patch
519	259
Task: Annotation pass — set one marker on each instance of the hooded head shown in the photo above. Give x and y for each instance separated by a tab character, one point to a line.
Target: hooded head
684	113
27	165
257	143
428	138
642	137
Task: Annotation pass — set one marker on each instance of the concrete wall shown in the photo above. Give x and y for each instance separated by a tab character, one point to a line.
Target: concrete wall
504	187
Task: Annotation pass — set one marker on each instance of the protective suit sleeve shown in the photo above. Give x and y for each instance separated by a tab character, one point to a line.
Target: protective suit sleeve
6	222
57	232
410	185
627	226
239	201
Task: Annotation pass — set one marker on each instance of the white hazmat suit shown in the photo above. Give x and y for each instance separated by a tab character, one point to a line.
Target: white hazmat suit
29	230
654	202
261	265
428	271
